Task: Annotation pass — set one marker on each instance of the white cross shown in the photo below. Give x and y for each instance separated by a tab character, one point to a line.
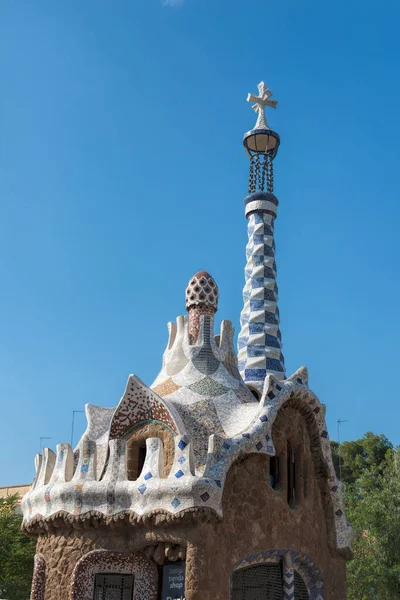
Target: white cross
261	101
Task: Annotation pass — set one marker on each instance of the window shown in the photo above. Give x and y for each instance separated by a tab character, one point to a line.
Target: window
259	582
113	587
291	476
255	393
265	582
135	460
274	471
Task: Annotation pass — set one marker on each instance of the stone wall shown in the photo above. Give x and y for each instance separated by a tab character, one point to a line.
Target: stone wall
256	519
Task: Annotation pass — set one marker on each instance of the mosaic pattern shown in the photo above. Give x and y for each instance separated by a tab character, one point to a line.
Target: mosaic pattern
292	561
103	561
191	483
204	384
202	289
259	341
39	578
140	404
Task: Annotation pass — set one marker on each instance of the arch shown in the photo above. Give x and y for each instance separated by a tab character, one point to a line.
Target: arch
105	561
292	561
136	448
319	460
39	578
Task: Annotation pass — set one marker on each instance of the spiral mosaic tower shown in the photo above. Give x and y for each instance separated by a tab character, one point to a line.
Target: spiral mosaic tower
259	341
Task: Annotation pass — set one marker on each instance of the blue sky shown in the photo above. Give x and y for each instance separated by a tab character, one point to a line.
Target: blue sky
122	173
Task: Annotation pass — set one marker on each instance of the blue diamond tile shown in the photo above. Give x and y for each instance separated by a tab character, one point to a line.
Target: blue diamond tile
263	418
182	445
181	460
218	482
259	446
226	446
246	435
148	476
205	496
142	489
179	474
175	502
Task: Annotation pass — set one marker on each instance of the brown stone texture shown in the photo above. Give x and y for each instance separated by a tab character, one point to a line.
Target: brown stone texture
255	518
138	439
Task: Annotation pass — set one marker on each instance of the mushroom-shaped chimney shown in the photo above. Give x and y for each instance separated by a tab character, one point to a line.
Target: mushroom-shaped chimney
201	299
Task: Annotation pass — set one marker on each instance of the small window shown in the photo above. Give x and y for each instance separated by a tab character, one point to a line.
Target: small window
274	471
113	587
291	476
136	456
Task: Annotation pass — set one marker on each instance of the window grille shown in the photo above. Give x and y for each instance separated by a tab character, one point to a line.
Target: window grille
261	582
113	587
300	590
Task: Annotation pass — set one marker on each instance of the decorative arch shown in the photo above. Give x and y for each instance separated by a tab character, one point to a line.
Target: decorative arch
39	578
292	561
312	413
140	404
105	561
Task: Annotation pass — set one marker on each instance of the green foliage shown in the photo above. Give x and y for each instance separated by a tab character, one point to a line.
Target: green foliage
16	553
366	455
371	472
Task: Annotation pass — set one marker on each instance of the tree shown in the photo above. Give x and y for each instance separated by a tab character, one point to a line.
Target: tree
16	553
366	455
374	573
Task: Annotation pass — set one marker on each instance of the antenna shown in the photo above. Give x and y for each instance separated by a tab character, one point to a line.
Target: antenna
73	425
41	442
339	423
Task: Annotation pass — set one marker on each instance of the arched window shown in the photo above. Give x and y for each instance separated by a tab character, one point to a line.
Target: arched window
291	476
136	451
260	581
265	582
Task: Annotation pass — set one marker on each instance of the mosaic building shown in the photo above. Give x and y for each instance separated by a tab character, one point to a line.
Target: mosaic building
215	482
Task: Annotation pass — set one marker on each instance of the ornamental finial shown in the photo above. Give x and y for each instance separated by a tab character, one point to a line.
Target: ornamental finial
260	102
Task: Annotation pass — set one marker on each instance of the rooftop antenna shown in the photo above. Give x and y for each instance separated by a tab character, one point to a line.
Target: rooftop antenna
41	442
339	423
73	425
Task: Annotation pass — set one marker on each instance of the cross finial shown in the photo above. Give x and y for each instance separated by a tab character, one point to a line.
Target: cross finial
261	101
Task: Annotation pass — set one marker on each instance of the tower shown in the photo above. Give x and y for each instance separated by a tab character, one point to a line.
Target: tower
207	484
259	341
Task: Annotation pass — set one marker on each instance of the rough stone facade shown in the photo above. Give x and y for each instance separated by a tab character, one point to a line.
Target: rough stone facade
256	518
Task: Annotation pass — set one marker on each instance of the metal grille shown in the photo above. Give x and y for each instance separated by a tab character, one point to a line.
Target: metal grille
113	587
261	582
261	175
300	590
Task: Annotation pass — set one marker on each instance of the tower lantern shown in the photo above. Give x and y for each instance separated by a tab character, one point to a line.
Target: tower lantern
259	342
